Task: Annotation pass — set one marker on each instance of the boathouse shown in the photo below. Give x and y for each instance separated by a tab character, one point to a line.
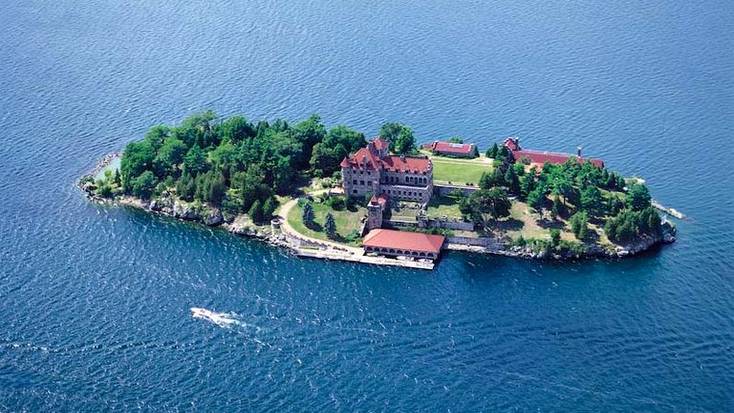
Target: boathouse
403	243
457	150
538	158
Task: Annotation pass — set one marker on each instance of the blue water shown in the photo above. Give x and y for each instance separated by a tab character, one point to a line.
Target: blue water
95	301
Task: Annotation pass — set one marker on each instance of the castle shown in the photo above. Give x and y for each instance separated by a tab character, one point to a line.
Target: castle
373	171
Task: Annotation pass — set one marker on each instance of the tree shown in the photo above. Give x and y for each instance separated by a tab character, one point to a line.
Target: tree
170	154
536	198
519	169
136	158
195	161
309	133
330	226
591	200
638	197
224	157
157	135
456	139
527	184
400	136
337	144
579	224
256	211
186	187
236	129
492	151
512	181
562	186
269	207
117	178
405	142
308	214
251	185
555	236
489	201
143	185
196	129
211	187
556	208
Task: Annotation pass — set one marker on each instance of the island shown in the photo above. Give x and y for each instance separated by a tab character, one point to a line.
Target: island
330	193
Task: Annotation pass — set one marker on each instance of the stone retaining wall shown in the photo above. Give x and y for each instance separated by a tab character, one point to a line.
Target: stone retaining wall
446	189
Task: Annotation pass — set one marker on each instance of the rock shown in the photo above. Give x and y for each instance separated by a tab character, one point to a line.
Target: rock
214	217
183	210
89	187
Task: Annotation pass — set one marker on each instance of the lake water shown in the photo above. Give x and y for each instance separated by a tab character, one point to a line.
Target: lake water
95	301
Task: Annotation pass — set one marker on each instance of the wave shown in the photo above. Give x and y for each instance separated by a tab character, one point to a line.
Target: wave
225	320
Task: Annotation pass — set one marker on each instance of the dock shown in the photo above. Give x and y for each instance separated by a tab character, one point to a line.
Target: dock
670	211
364	259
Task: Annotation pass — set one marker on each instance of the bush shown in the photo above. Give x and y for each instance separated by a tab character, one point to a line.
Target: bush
336	203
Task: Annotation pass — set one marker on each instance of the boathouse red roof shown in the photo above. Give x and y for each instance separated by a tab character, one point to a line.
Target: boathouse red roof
452	148
403	240
541	157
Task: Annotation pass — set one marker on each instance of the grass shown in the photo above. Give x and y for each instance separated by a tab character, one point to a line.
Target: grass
444	206
346	221
459	171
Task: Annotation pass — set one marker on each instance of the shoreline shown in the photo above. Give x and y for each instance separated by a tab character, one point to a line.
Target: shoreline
279	235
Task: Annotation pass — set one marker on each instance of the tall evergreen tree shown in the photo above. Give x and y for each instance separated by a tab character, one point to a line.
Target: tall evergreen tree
330	226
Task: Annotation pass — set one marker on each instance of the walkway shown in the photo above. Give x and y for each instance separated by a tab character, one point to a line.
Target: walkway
287	228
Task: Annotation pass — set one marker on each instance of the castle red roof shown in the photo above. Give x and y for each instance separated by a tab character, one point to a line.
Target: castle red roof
454	148
403	240
368	158
399	163
380	144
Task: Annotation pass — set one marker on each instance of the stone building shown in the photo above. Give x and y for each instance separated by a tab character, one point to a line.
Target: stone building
539	158
373	171
456	150
376	211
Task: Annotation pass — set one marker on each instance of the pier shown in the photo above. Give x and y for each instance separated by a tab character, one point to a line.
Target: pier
670	211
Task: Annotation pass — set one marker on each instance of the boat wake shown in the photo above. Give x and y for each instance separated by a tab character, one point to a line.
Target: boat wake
225	320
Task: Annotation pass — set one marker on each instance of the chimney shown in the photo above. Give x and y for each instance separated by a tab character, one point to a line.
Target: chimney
578	151
402	157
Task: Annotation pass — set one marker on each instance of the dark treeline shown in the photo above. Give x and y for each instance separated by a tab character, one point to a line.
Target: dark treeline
233	163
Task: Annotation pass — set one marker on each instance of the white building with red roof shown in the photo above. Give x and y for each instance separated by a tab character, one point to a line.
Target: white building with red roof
403	243
372	170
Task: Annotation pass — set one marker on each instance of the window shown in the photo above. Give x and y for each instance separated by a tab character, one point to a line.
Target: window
361	182
354	182
354	191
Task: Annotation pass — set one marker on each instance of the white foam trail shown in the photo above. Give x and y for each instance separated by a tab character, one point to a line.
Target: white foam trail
220	319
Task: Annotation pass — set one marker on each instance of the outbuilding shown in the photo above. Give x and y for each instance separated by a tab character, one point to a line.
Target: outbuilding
394	243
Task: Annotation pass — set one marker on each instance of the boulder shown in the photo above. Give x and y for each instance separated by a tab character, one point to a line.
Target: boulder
185	211
213	217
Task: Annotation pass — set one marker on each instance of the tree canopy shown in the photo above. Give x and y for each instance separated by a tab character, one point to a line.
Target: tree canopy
232	162
400	136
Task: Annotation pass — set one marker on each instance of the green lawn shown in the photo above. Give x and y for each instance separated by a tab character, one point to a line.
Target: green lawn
346	222
444	206
459	171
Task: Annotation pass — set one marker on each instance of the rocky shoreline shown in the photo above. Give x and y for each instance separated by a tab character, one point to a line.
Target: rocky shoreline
168	205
